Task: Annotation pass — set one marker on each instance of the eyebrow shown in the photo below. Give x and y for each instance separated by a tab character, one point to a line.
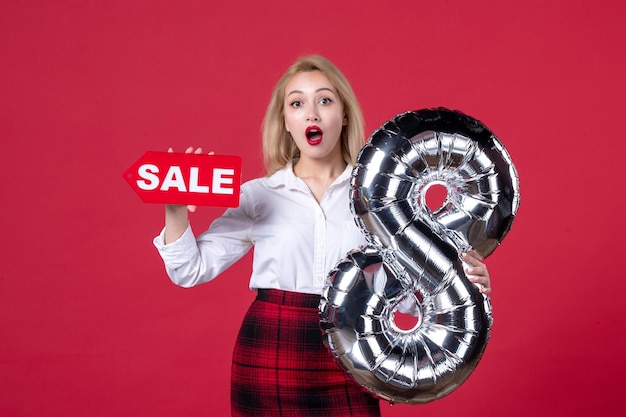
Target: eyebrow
317	91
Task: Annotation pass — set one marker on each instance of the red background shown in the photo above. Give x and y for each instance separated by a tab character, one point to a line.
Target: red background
89	323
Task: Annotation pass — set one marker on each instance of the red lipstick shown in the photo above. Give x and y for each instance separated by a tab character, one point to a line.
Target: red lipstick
314	135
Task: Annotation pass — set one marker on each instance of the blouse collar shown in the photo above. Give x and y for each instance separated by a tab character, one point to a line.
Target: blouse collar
286	177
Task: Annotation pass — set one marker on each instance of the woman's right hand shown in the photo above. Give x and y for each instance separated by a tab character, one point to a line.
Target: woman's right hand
177	216
190	208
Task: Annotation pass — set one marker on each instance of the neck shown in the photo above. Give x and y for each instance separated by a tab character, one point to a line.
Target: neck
318	175
321	169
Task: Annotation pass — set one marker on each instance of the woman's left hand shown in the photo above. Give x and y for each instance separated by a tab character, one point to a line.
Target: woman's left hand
477	271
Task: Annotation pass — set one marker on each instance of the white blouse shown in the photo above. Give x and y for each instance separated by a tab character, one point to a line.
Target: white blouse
296	240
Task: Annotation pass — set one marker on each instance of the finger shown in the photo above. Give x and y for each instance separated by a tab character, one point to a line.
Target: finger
477	273
192	208
486	286
199	150
476	255
483	283
189	149
170	150
211	153
479	279
471	259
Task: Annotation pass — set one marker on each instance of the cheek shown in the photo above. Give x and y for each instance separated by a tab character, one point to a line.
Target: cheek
288	123
291	119
340	122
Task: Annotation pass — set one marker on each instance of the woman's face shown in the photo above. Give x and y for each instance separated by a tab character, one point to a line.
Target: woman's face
314	115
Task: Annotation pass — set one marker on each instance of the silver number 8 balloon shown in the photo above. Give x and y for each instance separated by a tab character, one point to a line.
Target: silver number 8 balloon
412	262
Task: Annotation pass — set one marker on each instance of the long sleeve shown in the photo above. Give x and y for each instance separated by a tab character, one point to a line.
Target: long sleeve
190	261
296	240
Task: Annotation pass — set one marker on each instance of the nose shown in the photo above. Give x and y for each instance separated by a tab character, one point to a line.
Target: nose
313	116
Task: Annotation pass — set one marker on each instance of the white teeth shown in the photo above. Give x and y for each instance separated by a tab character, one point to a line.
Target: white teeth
313	132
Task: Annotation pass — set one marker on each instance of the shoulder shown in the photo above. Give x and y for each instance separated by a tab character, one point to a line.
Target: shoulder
257	184
256	190
282	178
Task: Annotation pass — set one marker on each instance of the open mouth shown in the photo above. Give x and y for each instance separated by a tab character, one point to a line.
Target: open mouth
314	135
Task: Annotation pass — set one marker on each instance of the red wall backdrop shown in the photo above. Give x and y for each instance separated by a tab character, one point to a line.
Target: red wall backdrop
89	323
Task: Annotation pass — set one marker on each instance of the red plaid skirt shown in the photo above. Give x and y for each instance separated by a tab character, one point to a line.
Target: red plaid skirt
282	368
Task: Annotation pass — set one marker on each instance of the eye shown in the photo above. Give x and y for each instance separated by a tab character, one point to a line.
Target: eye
296	103
326	100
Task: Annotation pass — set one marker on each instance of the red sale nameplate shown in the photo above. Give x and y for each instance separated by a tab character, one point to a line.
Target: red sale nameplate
186	178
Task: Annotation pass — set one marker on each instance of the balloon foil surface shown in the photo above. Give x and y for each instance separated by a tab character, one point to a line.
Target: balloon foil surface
412	264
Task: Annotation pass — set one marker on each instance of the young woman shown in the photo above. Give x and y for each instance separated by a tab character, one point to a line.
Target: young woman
299	221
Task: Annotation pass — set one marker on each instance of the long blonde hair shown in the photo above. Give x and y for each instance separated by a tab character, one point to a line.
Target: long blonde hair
279	147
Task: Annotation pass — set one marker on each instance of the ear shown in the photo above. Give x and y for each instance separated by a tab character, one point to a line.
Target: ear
345	120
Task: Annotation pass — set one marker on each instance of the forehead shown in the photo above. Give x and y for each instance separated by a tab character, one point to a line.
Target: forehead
308	81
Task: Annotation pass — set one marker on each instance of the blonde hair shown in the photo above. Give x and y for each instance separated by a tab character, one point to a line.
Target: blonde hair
279	147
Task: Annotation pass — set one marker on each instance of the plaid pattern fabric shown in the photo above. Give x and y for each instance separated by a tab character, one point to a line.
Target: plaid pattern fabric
282	368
